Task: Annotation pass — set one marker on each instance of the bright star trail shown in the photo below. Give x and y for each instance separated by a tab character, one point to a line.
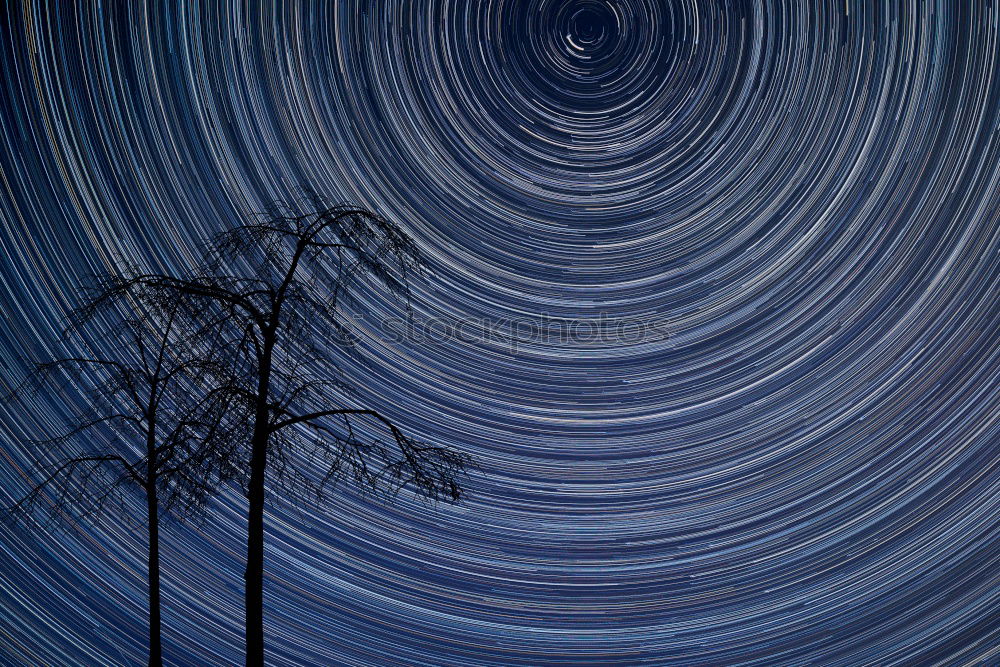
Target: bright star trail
805	196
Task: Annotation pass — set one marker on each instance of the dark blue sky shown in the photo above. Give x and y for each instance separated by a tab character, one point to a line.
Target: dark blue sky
801	203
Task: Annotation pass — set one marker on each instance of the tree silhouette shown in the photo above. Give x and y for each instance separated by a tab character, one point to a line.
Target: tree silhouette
158	406
282	313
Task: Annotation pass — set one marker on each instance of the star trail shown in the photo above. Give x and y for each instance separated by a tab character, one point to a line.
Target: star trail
805	197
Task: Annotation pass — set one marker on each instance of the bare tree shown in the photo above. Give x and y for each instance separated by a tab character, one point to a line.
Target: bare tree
158	406
282	312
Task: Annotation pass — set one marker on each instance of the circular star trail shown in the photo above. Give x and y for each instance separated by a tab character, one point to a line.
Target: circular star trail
801	199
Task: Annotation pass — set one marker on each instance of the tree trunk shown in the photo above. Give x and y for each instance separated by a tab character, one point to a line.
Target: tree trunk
254	576
155	647
255	553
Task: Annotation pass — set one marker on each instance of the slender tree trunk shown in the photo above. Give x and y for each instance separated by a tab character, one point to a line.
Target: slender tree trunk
255	518
255	553
153	540
155	647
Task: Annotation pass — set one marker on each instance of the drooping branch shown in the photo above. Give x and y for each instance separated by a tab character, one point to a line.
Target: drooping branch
431	470
71	479
153	398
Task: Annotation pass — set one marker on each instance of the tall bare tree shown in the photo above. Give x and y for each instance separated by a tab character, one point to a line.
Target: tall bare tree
281	309
158	406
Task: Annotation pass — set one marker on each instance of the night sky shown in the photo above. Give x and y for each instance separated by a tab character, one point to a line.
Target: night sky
802	199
